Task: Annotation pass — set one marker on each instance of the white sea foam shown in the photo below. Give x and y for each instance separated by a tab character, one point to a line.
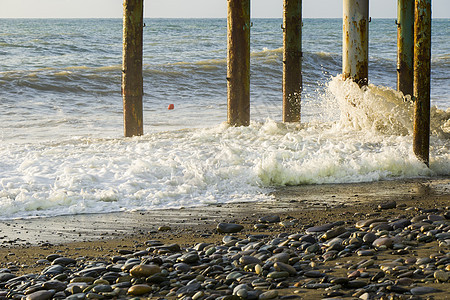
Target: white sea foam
369	142
59	100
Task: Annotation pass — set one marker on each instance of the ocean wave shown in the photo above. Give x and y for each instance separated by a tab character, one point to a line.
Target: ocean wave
198	166
369	141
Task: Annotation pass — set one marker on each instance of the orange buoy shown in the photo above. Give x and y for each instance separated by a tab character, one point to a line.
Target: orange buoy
171	106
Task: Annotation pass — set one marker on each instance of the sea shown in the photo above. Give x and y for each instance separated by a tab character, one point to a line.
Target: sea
62	149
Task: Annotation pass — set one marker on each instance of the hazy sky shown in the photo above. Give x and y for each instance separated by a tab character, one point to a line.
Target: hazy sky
193	8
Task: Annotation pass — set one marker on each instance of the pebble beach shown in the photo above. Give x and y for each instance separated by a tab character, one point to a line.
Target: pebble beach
386	240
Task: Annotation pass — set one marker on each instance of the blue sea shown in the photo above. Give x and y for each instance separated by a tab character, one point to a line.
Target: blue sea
61	126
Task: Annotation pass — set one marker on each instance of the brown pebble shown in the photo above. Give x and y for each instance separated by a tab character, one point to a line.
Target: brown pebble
139	289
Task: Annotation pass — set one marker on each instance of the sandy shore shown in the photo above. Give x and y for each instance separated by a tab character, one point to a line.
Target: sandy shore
300	202
23	242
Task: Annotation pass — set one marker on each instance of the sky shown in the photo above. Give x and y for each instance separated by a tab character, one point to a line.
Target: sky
193	8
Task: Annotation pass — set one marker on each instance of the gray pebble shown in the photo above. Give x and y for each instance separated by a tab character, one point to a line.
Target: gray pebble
229	227
422	290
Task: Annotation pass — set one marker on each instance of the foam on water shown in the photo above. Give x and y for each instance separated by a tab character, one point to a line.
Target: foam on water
61	97
368	140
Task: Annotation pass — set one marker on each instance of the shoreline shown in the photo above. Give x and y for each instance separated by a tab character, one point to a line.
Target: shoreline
26	244
288	199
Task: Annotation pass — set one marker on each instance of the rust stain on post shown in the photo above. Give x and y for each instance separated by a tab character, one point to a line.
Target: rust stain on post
132	84
292	60
238	62
405	46
355	48
422	71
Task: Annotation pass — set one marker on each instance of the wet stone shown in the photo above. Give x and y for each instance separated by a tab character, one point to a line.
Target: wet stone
365	296
314	274
277	275
339	280
139	289
383	241
315	286
320	228
332	233
182	267
287	223
356	284
268	295
189	258
229	240
282	267
280	257
144	270
240	287
260	226
423	261
313	248
368	252
64	261
53	270
377	276
198	295
52	257
189	289
54	285
388	205
308	239
79	296
367	263
418	218
397	289
164	228
441	275
247	260
422	290
366	223
270	219
434	218
6	276
94	271
76	288
405	281
400	224
229	227
102	288
82	280
41	295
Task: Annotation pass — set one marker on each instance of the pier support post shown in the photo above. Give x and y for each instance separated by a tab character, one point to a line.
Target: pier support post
405	46
132	84
238	62
422	71
292	60
355	46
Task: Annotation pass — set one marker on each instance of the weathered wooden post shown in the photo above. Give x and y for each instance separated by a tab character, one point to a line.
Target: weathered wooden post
132	85
355	46
405	46
422	71
292	60
238	62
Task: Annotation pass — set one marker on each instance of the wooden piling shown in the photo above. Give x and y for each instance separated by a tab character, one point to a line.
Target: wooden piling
238	62
292	60
422	71
132	84
405	46
355	46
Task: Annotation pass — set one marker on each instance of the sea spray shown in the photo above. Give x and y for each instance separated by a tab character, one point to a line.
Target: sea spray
219	164
61	117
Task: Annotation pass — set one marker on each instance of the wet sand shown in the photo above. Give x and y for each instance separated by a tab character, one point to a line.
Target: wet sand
99	236
297	201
